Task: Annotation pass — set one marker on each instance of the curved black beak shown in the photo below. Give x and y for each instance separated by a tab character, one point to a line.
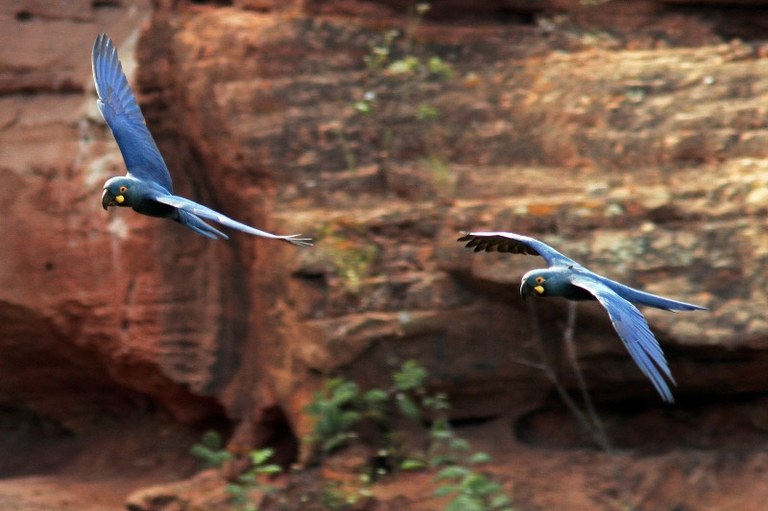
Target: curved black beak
107	200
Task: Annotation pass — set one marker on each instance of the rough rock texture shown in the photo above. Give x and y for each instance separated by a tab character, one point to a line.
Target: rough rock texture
631	135
81	294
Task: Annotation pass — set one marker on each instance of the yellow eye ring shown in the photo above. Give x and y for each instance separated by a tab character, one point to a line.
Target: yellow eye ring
539	280
123	189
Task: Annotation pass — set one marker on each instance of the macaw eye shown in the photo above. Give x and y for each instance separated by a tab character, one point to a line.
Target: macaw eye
123	189
539	280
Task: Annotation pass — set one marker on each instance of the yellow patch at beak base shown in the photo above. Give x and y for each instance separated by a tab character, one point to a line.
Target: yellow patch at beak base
119	199
539	289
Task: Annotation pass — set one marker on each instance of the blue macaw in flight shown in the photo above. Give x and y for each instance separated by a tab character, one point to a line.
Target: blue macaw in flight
147	186
566	278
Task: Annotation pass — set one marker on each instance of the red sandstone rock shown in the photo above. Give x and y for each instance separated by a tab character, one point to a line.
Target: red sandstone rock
644	159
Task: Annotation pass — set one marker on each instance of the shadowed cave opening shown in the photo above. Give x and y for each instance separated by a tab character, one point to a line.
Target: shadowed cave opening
747	22
738	423
459	11
133	444
275	431
61	410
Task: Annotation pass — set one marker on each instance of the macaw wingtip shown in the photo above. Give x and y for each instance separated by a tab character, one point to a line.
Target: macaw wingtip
294	239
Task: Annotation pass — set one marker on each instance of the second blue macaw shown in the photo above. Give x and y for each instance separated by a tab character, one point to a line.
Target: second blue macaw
147	186
568	279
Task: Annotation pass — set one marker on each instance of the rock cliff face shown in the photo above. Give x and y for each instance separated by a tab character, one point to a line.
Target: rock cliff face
632	136
84	292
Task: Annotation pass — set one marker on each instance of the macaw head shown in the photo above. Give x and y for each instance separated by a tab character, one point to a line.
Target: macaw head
535	283
119	191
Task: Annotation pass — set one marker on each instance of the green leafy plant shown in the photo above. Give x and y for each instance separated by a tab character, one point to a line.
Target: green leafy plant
396	56
471	490
338	495
459	478
448	453
439	67
341	406
211	450
380	57
380	53
338	409
252	479
457	465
